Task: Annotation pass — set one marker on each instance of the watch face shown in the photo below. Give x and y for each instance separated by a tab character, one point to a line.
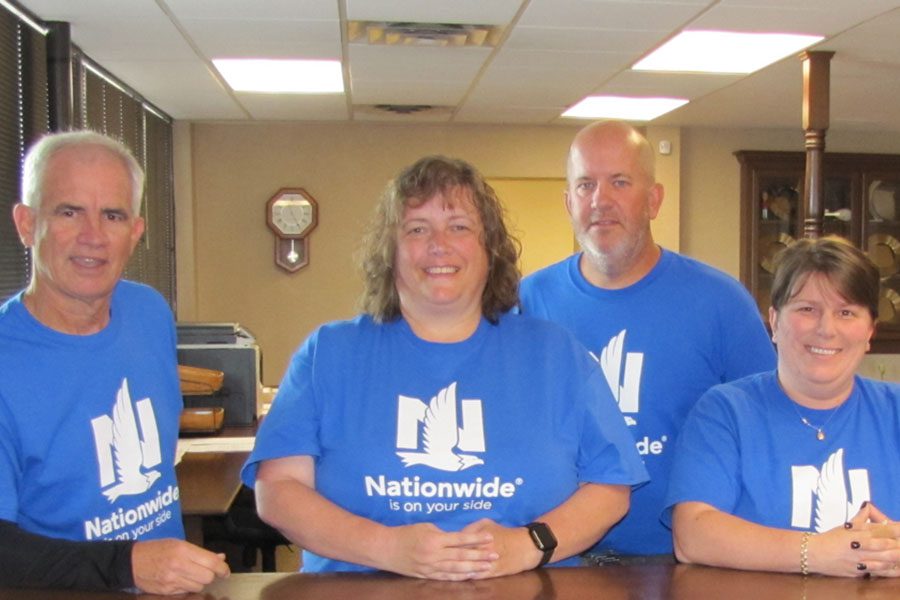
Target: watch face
292	215
542	536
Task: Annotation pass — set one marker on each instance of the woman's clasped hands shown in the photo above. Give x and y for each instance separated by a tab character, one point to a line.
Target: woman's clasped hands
482	549
866	546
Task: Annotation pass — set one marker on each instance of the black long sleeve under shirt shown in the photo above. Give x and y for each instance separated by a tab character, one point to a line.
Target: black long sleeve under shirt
36	561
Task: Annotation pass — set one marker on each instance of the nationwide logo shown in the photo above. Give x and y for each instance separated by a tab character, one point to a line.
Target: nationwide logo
132	523
623	374
125	453
441	431
835	501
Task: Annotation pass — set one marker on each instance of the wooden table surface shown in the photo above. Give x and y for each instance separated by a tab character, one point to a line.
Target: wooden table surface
680	582
209	481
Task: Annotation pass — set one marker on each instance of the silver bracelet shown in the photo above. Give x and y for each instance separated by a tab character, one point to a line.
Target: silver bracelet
804	552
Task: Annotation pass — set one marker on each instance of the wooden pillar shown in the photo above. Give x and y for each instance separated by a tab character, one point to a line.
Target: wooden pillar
816	81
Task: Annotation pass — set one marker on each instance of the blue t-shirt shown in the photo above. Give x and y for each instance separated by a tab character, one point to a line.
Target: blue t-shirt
745	450
661	342
88	424
504	425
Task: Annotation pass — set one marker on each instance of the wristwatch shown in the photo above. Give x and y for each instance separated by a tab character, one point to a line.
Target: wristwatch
543	539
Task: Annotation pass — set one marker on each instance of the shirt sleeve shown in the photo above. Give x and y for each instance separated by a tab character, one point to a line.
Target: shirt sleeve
291	428
36	561
607	453
706	465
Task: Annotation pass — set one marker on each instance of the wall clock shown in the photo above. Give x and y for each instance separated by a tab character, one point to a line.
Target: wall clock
292	214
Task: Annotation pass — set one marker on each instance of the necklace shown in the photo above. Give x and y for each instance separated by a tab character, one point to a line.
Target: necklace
820	431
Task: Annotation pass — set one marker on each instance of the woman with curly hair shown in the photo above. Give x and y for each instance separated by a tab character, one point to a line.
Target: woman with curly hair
438	435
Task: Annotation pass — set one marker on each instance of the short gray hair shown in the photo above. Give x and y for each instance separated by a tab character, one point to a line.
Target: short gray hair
34	169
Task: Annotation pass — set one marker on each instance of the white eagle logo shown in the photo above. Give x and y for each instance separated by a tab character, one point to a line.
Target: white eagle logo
441	436
128	450
623	374
832	506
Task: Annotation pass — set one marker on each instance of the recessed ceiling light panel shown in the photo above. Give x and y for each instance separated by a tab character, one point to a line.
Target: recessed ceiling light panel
623	107
723	51
282	76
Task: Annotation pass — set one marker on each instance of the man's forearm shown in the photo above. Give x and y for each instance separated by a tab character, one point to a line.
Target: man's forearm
37	561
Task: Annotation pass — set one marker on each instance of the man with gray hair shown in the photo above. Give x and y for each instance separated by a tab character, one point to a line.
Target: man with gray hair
663	327
89	391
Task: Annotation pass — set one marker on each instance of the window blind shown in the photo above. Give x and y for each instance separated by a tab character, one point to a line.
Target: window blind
23	118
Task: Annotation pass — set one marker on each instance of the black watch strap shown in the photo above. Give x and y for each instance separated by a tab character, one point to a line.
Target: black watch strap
543	539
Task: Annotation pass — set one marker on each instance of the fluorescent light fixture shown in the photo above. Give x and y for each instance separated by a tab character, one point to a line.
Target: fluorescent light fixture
623	107
723	51
282	76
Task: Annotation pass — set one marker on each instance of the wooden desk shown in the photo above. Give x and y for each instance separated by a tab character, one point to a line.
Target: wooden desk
645	582
208	483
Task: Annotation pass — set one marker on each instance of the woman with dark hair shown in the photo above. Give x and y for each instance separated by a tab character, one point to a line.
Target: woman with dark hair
437	435
796	470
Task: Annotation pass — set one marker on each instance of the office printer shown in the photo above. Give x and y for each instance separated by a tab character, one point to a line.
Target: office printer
229	348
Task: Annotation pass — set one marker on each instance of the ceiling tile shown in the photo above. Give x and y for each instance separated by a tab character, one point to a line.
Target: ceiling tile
413	63
295	107
476	12
248	11
513	88
84	11
590	64
438	93
876	41
139	39
633	15
673	85
201	97
760	100
785	19
505	114
581	39
267	39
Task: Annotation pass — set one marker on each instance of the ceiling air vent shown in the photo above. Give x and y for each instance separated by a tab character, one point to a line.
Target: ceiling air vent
402	112
382	33
403	109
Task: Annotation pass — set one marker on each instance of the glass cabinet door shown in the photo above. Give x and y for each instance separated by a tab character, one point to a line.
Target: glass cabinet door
882	244
861	198
778	207
841	216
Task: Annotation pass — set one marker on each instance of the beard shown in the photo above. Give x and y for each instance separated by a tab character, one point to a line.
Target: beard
617	258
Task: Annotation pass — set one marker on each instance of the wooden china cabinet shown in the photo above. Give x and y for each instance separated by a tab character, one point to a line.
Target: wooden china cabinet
862	203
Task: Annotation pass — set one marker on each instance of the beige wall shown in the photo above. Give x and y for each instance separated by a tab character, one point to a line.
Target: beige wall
537	217
667	226
235	169
226	172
